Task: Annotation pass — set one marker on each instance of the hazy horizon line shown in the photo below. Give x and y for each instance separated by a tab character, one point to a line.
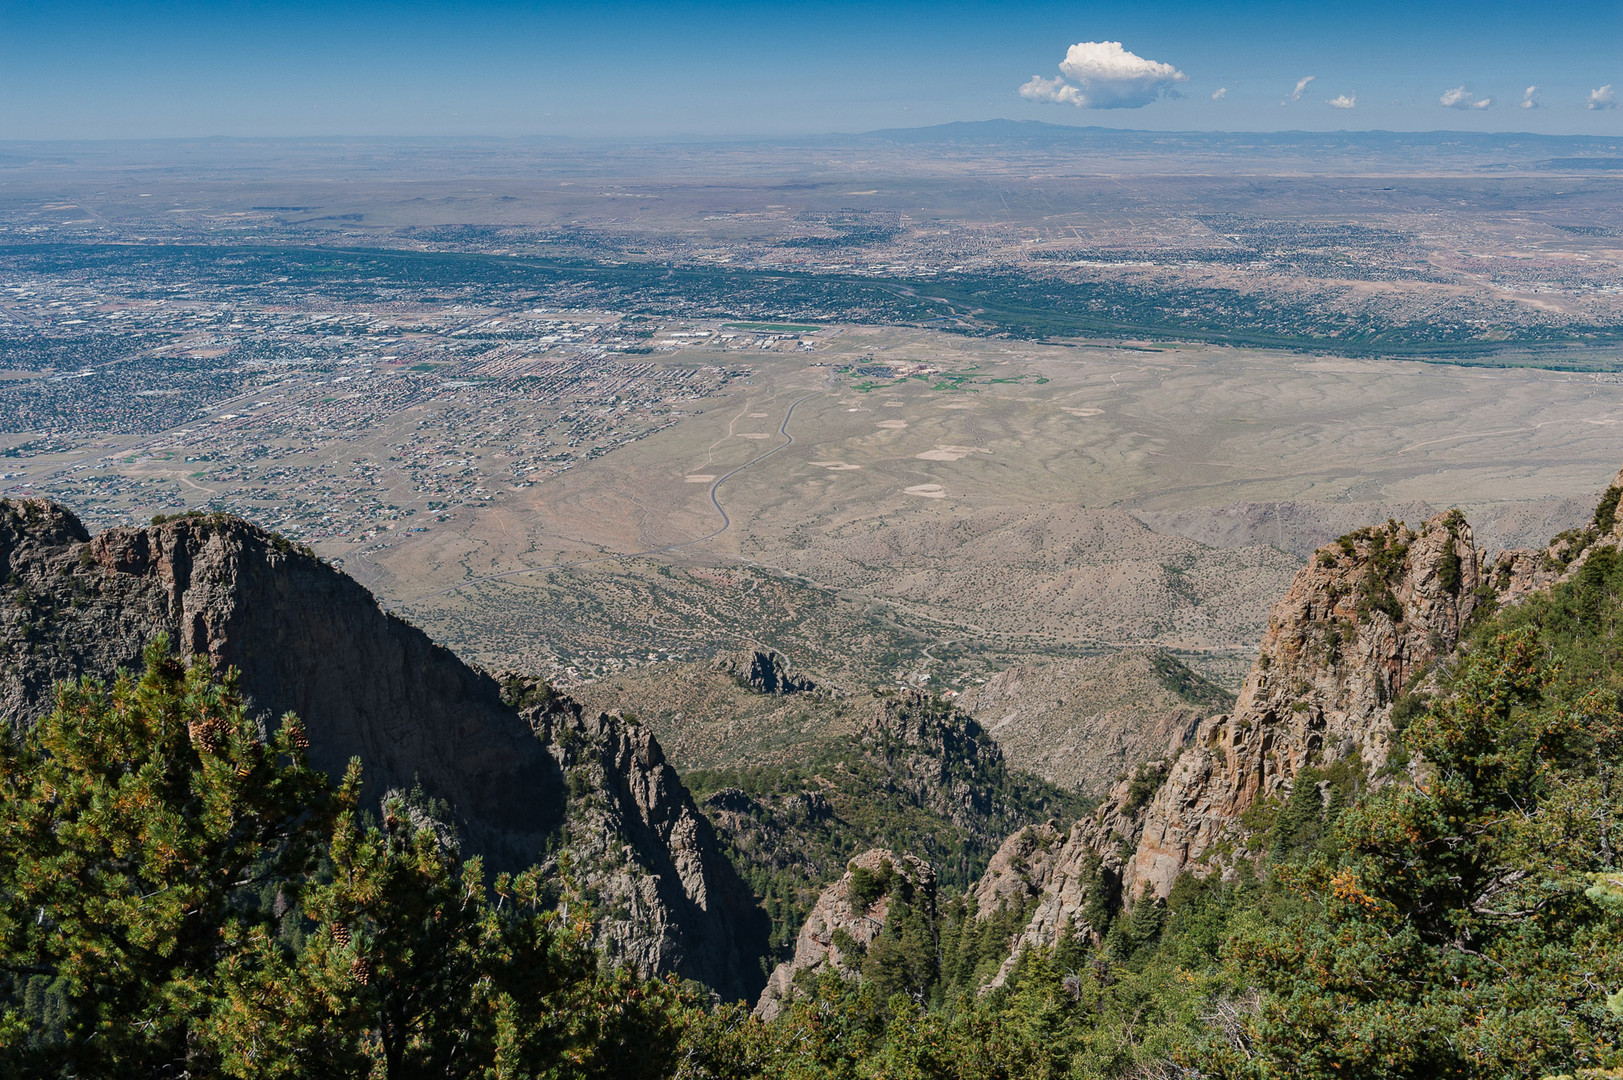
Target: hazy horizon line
713	137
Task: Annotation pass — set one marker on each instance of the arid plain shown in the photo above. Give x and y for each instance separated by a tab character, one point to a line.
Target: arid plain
911	406
1000	499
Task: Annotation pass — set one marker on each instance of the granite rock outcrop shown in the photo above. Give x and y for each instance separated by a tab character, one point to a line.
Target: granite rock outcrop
1362	622
765	672
307	639
665	897
1520	572
845	922
1360	626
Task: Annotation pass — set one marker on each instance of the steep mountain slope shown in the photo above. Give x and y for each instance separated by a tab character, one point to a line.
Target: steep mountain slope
1361	627
917	777
1360	624
1081	723
595	792
848	919
306	638
1358	628
665	898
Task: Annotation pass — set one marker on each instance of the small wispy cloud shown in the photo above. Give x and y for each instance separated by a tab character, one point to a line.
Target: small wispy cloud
1343	101
1602	97
1103	75
1220	93
1301	84
1461	98
1527	98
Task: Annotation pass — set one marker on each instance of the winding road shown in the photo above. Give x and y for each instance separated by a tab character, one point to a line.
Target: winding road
715	486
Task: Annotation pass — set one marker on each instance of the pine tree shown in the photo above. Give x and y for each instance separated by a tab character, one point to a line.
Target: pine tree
1458	930
139	823
410	970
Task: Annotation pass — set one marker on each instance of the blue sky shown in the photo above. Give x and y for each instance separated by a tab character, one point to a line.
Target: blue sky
70	69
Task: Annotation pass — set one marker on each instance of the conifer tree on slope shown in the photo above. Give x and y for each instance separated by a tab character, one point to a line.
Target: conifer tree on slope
137	823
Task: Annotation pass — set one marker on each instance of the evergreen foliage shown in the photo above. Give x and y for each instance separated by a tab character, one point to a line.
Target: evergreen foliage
1450	929
137	826
181	894
951	805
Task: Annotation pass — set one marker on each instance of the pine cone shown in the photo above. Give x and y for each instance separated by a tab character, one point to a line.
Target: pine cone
207	733
362	970
340	934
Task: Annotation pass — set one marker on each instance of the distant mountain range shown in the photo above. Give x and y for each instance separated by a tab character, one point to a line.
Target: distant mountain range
1030	134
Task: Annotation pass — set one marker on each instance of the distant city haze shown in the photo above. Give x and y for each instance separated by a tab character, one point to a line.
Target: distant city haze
81	70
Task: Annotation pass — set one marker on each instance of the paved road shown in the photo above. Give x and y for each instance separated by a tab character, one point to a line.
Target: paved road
715	486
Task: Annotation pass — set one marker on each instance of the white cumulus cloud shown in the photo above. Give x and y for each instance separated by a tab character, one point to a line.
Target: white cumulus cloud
1527	98
1460	98
1301	84
1055	91
1103	75
1602	98
1343	101
1220	93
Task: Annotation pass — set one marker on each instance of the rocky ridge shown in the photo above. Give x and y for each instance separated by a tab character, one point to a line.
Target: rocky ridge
1359	625
1519	572
306	639
665	898
847	920
917	776
763	671
1362	622
310	640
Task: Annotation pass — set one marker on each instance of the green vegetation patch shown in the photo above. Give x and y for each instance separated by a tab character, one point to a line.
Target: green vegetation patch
926	781
780	328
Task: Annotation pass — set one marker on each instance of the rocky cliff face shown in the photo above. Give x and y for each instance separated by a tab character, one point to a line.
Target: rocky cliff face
847	919
1359	625
945	761
917	776
307	640
310	640
1520	572
1067	879
1022	870
635	843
